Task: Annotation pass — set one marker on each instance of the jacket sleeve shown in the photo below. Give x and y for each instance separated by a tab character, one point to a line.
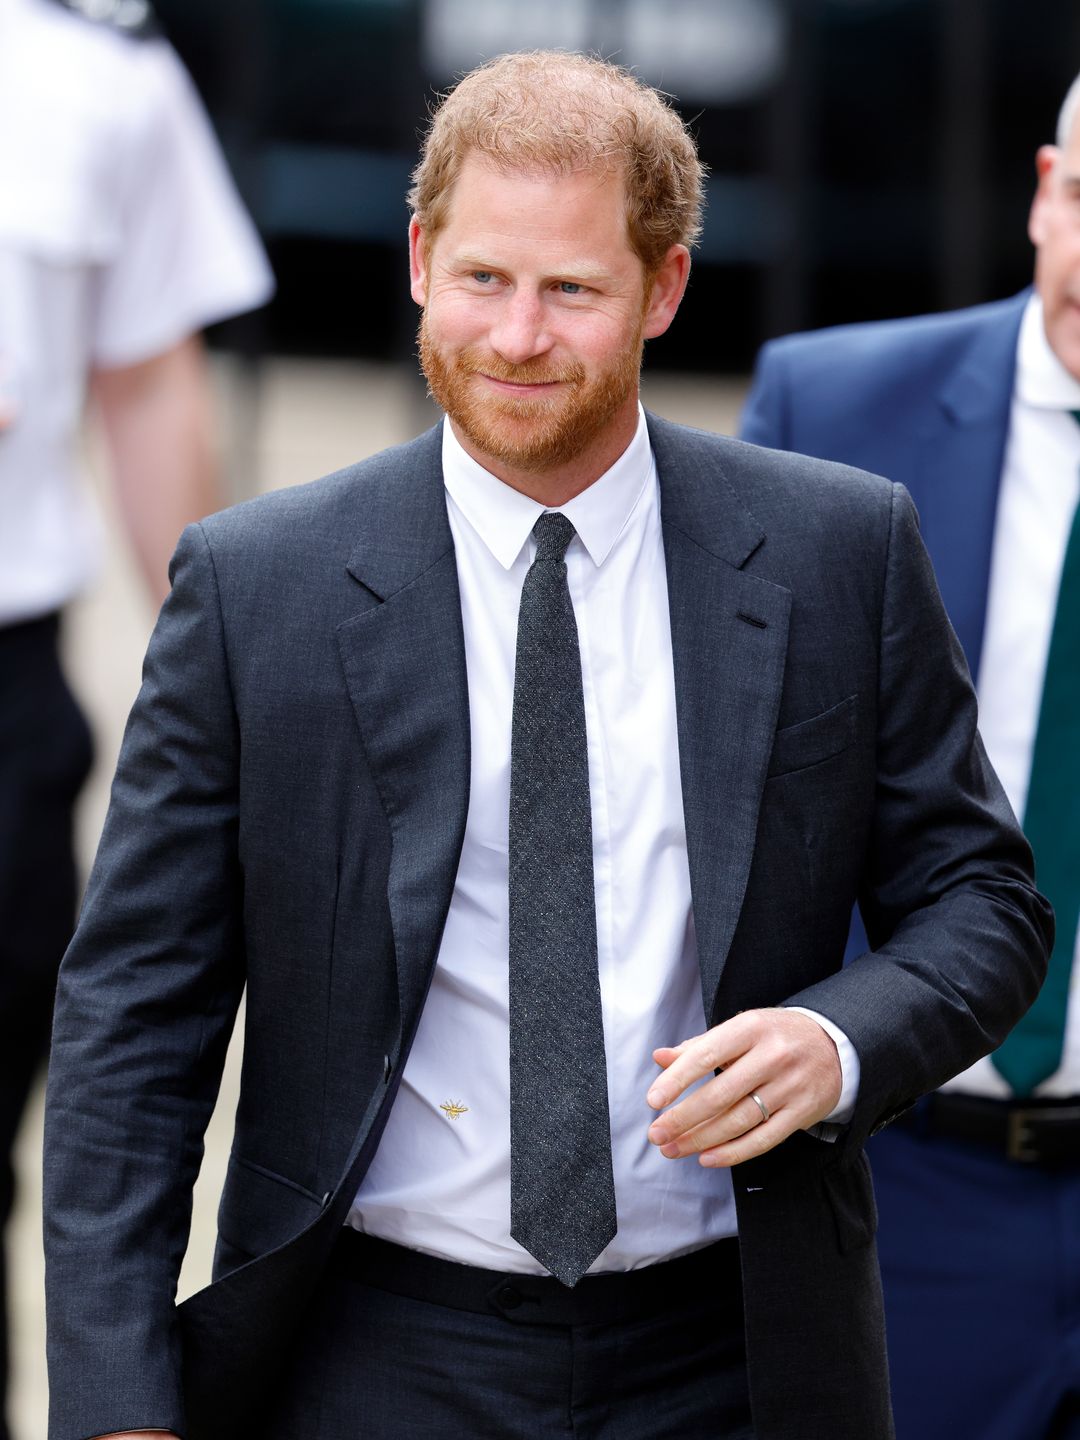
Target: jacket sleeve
764	419
960	935
146	1001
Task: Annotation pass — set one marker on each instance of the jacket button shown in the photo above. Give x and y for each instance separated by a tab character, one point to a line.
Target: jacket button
387	1068
327	1198
509	1298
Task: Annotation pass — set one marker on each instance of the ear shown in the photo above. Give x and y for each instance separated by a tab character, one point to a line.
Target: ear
417	264
1046	164
668	288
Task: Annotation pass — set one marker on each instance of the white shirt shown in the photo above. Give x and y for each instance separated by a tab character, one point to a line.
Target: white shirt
442	1184
1040	485
120	234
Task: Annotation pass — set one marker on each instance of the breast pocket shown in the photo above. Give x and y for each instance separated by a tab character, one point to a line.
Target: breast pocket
797	747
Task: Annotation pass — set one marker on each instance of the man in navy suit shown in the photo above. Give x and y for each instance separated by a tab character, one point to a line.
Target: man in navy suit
977	413
526	775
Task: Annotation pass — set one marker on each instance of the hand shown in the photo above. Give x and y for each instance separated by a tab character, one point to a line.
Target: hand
783	1056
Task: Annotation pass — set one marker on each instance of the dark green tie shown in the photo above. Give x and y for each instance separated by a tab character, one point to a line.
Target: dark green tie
1032	1052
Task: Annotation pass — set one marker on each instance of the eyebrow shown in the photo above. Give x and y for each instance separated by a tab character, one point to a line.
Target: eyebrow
574	271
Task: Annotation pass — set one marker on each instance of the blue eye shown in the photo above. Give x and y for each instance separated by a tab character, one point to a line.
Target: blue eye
482	276
571	287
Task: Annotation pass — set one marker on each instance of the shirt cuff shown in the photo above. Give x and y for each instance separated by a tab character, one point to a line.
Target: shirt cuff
844	1108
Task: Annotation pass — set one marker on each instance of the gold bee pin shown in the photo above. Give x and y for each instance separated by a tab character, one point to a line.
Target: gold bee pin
454	1109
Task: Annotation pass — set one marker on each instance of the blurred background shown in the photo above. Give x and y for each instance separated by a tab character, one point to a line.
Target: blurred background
868	158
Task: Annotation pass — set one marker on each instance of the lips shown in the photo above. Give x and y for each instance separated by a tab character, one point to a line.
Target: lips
519	387
519	377
526	377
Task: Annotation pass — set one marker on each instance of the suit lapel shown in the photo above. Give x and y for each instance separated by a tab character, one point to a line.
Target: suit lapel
729	641
404	662
962	454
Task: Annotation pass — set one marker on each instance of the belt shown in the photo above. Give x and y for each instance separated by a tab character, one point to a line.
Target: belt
605	1299
1028	1132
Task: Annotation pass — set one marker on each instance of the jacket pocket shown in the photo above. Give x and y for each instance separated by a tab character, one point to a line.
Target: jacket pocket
261	1210
797	747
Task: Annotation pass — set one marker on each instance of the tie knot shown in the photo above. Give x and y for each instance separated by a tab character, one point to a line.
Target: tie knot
552	533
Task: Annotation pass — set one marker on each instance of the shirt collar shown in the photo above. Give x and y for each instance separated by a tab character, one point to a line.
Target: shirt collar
1041	378
504	517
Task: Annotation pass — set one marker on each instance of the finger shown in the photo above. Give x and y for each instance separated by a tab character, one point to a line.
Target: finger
700	1057
758	1140
715	1097
715	1150
664	1055
715	1129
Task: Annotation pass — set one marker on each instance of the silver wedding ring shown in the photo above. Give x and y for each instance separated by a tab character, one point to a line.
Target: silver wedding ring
760	1103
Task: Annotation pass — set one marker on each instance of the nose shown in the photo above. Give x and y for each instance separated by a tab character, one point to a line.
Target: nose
520	331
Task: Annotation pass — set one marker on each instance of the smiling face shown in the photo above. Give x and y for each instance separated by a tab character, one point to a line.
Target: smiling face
536	309
1054	228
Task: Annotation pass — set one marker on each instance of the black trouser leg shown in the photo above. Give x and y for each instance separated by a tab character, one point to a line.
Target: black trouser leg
44	758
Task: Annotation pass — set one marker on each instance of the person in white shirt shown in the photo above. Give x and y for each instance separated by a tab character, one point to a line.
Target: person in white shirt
978	413
121	236
525	774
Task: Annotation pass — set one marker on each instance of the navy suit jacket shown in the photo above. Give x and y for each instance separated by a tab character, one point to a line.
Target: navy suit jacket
288	813
924	401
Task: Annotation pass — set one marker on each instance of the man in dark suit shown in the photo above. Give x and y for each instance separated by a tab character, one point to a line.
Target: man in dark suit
496	766
980	1186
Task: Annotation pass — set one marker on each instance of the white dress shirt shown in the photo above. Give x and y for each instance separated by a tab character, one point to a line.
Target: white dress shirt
121	233
1040	484
440	1181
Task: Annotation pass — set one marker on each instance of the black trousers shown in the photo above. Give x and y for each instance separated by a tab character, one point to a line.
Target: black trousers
397	1346
44	758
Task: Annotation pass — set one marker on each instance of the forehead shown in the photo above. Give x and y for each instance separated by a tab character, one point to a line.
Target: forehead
531	210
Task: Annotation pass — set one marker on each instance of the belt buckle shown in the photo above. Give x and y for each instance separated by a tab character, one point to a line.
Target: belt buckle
1019	1137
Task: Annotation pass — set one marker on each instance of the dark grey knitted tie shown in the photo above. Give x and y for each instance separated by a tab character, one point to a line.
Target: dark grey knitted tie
562	1194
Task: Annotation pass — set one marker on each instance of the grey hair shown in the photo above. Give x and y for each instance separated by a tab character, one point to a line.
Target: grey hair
1067	114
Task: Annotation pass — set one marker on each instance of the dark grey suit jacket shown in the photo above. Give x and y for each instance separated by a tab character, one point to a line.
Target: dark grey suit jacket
288	813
